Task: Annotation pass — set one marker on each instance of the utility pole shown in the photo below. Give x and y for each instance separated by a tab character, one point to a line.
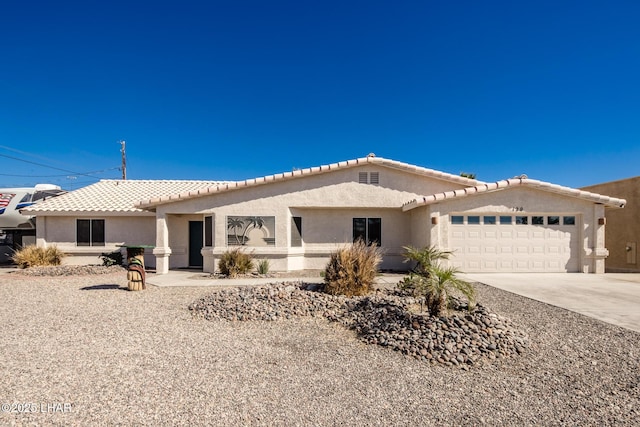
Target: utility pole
124	160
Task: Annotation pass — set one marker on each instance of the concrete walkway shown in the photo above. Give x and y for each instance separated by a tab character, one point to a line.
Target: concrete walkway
196	278
611	297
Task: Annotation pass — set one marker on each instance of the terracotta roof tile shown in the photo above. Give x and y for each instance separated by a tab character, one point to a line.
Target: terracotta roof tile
513	182
149	203
118	195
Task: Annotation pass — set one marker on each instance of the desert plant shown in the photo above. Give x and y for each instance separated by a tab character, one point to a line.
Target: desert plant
263	266
434	285
32	256
424	258
235	261
351	270
438	289
112	258
442	285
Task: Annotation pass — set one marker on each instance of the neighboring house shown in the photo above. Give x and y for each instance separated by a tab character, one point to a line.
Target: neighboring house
623	225
296	219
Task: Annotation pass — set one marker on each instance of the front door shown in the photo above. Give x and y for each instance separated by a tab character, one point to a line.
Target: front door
195	244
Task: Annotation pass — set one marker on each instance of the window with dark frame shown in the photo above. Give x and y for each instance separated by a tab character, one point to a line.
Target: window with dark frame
368	229
208	231
504	220
553	220
90	232
457	219
473	219
296	231
537	220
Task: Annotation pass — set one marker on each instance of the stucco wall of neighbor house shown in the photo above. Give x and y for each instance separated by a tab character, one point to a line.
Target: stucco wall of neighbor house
623	225
119	230
528	201
328	201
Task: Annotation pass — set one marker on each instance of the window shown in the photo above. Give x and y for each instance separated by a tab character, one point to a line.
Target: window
490	220
296	231
368	229
568	220
208	231
522	220
504	220
553	220
457	219
537	220
473	219
90	232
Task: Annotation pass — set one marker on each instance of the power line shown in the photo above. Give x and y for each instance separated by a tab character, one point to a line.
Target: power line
40	164
30	154
54	176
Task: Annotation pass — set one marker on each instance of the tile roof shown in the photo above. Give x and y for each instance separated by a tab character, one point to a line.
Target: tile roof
113	195
515	182
161	199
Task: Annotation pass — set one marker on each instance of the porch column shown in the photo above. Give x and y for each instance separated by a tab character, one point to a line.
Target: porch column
162	251
600	250
596	252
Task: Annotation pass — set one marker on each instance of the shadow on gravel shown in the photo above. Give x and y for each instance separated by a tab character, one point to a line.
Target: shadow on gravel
102	287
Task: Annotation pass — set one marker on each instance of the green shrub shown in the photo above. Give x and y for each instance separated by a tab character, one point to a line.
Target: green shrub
112	258
263	266
234	262
433	284
352	270
32	256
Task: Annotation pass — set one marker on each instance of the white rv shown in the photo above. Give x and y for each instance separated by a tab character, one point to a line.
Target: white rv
18	230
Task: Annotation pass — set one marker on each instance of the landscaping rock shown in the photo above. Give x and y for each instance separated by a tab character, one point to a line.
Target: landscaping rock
384	318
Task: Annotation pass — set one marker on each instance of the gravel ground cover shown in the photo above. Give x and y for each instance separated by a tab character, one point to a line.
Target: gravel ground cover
80	350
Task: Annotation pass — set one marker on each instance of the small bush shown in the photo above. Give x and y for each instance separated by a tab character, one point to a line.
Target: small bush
352	270
112	258
263	266
234	262
32	256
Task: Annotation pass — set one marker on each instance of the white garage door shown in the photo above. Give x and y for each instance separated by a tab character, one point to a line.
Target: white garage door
514	243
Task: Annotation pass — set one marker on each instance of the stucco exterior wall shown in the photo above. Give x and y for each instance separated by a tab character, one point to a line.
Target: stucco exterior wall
179	239
61	231
326	202
527	201
623	225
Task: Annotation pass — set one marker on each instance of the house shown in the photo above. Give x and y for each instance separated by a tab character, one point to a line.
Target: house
296	219
93	220
623	225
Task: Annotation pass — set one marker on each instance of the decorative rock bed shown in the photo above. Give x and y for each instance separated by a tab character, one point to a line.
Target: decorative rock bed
69	270
463	338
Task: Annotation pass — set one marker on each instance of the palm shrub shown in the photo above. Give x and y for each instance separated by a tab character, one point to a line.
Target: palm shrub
424	258
351	270
32	256
235	261
442	286
435	285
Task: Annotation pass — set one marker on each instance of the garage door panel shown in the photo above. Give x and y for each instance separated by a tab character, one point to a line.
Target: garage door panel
515	247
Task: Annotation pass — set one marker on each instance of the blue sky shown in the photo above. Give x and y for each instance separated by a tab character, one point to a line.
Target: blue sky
239	89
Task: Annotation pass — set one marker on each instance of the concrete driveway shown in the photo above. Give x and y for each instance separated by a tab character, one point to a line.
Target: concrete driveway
613	297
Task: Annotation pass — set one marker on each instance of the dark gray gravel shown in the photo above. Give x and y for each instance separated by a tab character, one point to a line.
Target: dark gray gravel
141	358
